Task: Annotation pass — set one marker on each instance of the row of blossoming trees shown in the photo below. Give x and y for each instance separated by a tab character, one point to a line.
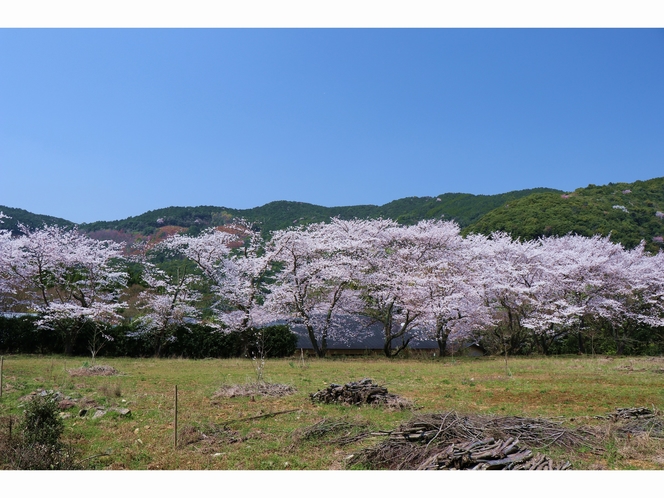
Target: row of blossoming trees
335	279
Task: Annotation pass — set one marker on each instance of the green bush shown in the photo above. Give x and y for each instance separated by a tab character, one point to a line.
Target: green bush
37	445
41	422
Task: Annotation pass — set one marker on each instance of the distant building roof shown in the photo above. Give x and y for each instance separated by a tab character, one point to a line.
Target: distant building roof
9	314
374	339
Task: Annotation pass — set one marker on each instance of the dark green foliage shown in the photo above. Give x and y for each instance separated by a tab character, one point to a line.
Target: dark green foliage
277	341
35	444
41	423
586	211
278	215
21	336
31	220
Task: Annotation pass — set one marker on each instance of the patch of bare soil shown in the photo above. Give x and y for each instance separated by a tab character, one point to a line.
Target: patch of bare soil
255	389
104	370
363	392
451	441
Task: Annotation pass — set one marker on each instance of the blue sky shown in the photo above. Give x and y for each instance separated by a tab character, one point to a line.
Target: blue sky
105	124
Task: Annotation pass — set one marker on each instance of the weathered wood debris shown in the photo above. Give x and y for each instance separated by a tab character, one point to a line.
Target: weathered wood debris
363	392
490	454
451	441
629	413
637	421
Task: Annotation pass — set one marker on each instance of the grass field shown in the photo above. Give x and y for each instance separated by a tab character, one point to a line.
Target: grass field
571	389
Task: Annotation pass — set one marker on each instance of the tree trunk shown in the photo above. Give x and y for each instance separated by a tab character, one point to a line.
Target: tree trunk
442	345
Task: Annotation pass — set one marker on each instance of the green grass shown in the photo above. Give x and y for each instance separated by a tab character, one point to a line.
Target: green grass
576	388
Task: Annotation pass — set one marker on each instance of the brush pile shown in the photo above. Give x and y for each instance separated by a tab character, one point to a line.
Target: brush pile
490	454
363	392
450	441
333	431
637	421
631	413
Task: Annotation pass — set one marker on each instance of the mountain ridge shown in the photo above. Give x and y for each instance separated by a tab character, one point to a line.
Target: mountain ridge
629	212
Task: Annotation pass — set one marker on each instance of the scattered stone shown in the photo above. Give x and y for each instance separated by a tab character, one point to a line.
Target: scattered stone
65	415
252	390
99	414
125	412
104	370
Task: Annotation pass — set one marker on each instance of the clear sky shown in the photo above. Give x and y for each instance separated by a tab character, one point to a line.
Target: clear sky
104	124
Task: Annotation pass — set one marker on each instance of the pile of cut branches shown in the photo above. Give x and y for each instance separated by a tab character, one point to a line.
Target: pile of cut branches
335	431
363	392
490	454
637	421
631	413
448	440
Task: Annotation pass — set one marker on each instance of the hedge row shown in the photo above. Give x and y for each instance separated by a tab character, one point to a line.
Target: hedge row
22	336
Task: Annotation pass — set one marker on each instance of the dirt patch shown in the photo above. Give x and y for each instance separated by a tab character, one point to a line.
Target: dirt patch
363	392
103	370
256	389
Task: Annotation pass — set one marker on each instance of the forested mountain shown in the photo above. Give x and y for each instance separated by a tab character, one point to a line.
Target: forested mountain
630	212
29	219
464	208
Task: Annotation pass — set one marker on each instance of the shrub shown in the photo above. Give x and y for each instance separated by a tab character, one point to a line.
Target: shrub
37	445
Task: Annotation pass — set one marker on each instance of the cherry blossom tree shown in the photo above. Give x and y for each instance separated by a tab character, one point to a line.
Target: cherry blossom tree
406	281
239	269
512	278
453	300
313	286
5	238
167	303
67	277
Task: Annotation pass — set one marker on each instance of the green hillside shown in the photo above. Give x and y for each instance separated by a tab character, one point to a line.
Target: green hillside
29	219
627	211
464	208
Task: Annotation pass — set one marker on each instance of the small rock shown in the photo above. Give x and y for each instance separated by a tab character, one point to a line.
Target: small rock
98	414
64	415
125	412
